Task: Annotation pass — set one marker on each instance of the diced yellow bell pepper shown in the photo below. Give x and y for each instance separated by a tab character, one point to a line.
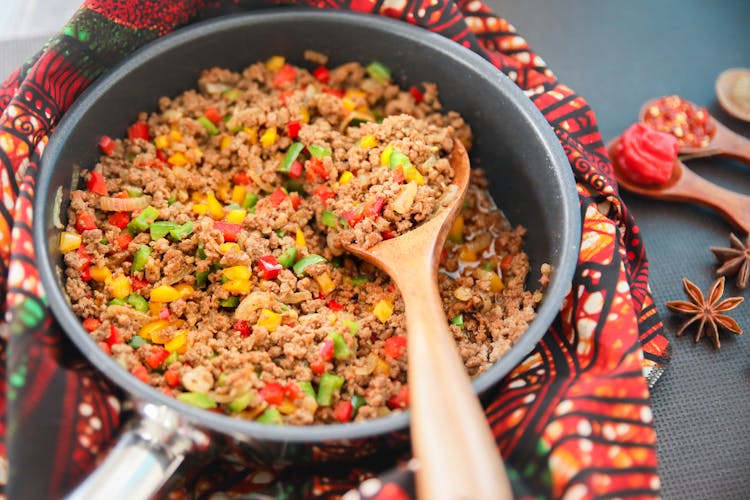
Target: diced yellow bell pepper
177	159
69	242
226	141
349	103
269	137
346	177
165	293
287	407
148	330
383	310
238	193
197	197
120	287
385	156
222	192
325	283
269	320
304	115
184	289
161	141
456	234
381	367
369	141
496	283
275	63
158	337
468	255
215	210
155	308
200	209
412	174
236	216
178	343
237	273
175	135
239	287
252	135
299	239
228	247
100	274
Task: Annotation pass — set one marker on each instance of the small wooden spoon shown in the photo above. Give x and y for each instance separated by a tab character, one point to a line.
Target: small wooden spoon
686	185
451	439
733	92
724	142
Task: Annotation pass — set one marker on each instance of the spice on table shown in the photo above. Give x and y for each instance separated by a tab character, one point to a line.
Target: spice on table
707	311
646	156
735	260
690	124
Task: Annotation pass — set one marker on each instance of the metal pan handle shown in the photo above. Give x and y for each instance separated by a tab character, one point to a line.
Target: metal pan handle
146	455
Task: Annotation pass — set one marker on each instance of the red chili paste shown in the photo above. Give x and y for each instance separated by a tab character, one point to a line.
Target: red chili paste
646	156
690	124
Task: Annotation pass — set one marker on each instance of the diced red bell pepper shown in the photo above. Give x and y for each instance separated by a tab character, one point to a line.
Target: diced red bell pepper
318	366
395	346
212	113
123	240
107	145
416	94
164	313
139	130
96	183
242	327
505	263
241	178
161	156
285	95
171	377
114	336
85	222
295	169
324	193
137	283
352	217
140	372
398	175
322	74
285	76
326	350
277	197
314	167
334	306
105	347
84	256
335	92
156	357
273	393
343	411
374	207
388	234
91	324
119	219
293	129
269	267
293	391
295	199
400	400
228	230
86	274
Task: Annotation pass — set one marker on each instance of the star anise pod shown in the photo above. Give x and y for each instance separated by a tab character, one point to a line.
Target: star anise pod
734	260
707	312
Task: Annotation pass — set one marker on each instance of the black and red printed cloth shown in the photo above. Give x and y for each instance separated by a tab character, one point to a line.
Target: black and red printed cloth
573	419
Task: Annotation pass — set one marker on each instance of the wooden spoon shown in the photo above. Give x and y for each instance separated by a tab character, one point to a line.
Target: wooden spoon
686	185
451	439
724	142
733	92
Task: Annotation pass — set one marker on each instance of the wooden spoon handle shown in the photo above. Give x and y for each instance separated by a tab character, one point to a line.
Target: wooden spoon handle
731	143
733	206
456	452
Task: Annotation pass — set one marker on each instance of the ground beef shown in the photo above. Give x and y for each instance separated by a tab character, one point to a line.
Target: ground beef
205	251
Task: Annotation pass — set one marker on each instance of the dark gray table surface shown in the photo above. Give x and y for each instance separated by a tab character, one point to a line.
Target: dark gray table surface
618	55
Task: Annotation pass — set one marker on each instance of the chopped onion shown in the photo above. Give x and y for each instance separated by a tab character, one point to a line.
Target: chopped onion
255	176
251	303
56	204
405	198
110	204
296	297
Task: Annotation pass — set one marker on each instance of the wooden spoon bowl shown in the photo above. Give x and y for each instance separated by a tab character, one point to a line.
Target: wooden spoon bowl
451	439
732	85
687	186
724	141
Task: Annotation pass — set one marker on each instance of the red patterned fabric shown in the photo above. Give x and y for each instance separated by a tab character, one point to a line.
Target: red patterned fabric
573	419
